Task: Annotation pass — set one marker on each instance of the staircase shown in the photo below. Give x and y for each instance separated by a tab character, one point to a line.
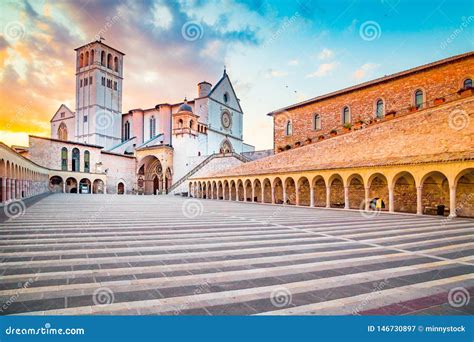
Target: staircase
204	163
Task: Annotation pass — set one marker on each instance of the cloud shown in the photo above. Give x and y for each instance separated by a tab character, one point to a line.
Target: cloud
365	70
42	59
326	54
323	70
293	62
272	73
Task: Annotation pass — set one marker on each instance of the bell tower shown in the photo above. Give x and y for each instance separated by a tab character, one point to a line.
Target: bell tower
99	78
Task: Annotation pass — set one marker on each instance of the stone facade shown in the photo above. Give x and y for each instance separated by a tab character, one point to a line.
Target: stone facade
419	161
439	80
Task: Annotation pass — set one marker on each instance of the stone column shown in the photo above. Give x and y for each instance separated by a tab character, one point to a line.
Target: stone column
236	193
4	189
391	202
230	193
263	194
297	195
13	189
367	199
253	194
419	200
452	201
346	197
285	195
245	194
328	197
311	196
273	194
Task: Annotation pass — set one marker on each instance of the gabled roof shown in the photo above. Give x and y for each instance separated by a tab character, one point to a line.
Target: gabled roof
59	110
225	76
376	81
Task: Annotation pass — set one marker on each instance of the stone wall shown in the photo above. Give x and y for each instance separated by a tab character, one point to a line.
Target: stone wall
119	169
398	94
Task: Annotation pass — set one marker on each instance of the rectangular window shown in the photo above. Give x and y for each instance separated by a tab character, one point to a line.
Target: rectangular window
103	81
115	85
90	79
63	114
81	84
85	81
85	118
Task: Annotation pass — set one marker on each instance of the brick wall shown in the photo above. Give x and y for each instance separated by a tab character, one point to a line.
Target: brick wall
398	94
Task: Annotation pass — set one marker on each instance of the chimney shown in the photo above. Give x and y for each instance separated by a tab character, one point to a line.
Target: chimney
204	88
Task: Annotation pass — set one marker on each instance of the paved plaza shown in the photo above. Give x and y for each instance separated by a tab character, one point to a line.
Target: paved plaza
68	254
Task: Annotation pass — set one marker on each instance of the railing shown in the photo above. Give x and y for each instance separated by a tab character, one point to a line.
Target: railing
204	163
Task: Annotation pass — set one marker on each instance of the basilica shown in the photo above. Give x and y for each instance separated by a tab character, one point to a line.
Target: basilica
99	148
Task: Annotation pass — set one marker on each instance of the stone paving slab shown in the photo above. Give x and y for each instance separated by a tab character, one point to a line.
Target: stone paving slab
155	255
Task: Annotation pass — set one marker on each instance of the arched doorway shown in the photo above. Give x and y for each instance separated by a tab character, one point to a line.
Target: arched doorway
304	193
278	185
267	191
150	170
120	188
98	187
404	193
233	191
356	192
226	190
319	191
435	194
378	192
240	192
248	191
258	191
226	147
85	186
156	184
337	199
56	184
465	193
290	190
71	185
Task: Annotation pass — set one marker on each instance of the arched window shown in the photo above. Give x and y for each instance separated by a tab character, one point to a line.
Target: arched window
317	122
62	131
226	147
180	123
116	66
346	116
75	159
86	61
289	128
64	159
126	131
191	124
81	60
152	127
419	99
109	61
468	83
226	97
92	57
102	58
379	111
87	160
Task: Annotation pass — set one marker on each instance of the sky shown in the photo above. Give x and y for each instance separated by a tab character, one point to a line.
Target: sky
276	52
